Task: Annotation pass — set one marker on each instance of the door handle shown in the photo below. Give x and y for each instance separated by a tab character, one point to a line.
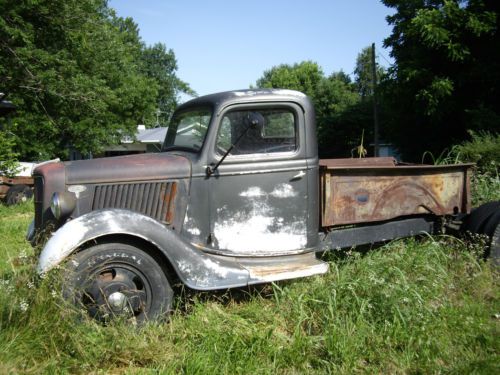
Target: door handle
298	175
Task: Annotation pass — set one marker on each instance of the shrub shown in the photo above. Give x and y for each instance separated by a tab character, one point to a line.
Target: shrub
484	150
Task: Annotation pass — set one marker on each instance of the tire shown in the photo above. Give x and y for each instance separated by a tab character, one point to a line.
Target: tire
479	216
495	249
112	280
17	194
486	220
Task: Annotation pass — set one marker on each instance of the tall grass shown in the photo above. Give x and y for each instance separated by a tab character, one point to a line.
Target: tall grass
416	306
483	149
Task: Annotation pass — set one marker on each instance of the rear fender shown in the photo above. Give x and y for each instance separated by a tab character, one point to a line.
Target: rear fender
195	269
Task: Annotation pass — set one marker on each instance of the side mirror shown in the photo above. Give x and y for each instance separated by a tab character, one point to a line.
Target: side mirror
254	120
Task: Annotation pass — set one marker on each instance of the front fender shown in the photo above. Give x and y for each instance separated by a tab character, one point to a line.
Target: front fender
196	269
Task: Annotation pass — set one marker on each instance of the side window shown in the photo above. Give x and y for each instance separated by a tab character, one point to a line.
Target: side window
277	133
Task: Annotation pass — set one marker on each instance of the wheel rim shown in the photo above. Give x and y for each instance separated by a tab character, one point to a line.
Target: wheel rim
20	197
116	290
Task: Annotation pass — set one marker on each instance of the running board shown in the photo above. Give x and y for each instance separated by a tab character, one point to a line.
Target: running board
283	268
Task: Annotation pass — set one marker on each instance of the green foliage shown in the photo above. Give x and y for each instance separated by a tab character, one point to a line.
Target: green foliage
484	150
79	75
160	64
303	77
412	306
341	116
364	72
8	158
446	73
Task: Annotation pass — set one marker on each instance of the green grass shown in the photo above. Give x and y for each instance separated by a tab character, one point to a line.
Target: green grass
427	306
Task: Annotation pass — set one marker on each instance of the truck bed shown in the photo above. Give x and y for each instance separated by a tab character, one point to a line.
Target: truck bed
355	191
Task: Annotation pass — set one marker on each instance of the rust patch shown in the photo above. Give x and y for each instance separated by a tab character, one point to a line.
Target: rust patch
357	163
264	271
358	192
169	199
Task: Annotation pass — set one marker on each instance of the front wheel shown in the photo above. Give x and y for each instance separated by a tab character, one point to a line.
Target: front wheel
118	280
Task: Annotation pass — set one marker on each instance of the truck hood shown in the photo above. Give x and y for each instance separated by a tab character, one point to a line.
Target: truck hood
141	167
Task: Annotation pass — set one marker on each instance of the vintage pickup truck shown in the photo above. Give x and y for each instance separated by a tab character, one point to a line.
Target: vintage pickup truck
237	196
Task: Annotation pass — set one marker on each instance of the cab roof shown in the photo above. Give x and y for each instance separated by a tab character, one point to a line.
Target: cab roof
222	99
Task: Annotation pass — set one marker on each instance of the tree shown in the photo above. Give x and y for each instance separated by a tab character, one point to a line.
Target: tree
335	100
363	72
160	64
446	79
303	77
77	74
8	158
340	121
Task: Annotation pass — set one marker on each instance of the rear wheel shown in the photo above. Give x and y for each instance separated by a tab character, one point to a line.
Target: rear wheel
485	220
17	194
118	280
479	217
495	248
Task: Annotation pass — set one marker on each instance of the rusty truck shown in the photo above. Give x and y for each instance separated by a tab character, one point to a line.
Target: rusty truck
237	196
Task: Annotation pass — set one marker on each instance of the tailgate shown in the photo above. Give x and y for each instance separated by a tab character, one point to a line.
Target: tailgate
376	189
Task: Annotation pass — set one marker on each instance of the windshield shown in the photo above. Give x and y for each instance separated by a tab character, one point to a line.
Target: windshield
187	130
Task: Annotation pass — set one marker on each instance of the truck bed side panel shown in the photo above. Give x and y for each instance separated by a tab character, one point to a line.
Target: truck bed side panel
359	192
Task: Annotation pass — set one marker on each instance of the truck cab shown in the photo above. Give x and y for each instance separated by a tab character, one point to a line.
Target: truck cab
261	200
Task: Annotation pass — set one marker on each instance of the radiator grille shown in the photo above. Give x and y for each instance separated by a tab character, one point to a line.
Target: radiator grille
156	200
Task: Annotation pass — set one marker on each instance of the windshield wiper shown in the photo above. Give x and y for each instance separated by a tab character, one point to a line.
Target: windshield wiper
253	120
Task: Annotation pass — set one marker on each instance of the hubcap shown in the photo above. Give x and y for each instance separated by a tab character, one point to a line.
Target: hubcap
120	290
117	301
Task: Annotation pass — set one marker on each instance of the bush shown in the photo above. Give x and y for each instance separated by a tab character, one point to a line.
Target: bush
484	150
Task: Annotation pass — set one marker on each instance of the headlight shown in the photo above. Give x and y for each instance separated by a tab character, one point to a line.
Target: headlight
62	205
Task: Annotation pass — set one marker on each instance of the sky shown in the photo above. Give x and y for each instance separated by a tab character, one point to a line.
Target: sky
223	45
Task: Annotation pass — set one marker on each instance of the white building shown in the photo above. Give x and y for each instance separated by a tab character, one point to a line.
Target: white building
145	140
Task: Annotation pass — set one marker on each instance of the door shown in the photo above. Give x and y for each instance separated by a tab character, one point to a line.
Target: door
258	194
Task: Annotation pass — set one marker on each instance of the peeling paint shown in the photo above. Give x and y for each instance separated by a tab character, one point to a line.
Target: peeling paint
253	191
190	225
194	231
284	191
257	227
77	189
268	92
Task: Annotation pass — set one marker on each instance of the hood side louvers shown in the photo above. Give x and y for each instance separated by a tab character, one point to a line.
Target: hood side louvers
156	200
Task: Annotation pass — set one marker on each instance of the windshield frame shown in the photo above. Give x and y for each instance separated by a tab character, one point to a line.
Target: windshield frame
172	131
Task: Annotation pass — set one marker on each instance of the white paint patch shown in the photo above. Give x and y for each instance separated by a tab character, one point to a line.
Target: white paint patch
61	244
264	92
284	191
216	268
77	189
190	225
255	236
203	275
253	191
75	232
256	229
194	231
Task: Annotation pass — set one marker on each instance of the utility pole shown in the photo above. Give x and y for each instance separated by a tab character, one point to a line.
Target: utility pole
375	113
